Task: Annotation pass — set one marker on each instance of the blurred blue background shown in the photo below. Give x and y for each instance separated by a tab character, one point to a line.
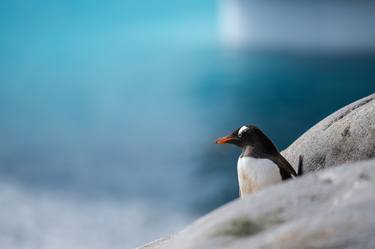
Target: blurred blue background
109	111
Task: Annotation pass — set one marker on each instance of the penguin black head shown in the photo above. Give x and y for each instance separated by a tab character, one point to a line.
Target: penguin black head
249	136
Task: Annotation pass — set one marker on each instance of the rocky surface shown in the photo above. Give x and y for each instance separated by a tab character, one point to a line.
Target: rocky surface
348	135
333	208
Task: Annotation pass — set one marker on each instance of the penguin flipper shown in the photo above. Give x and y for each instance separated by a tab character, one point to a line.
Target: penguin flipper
300	165
286	170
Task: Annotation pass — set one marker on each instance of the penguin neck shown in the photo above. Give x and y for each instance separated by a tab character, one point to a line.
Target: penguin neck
248	151
255	151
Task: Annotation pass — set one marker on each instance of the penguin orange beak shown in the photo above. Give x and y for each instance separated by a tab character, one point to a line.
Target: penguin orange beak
224	140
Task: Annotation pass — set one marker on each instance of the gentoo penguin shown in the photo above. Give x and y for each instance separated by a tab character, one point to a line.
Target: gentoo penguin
260	163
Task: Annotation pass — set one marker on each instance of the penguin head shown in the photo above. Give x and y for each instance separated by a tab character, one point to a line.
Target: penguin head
248	135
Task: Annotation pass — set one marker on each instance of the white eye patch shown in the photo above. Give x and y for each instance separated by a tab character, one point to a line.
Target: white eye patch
242	130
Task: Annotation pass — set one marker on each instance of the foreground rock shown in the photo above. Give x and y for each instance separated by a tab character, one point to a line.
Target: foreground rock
331	209
347	135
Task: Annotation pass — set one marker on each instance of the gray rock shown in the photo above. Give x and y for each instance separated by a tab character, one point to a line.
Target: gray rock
333	208
347	135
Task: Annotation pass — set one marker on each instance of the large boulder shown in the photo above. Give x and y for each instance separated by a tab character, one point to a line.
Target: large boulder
333	208
347	135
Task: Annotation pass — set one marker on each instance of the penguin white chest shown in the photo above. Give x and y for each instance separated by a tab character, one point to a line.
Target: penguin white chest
255	174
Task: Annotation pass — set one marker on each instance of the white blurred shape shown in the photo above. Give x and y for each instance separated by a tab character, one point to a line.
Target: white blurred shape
30	220
319	24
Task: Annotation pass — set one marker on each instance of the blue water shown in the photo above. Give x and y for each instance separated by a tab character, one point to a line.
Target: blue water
109	113
141	134
136	130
